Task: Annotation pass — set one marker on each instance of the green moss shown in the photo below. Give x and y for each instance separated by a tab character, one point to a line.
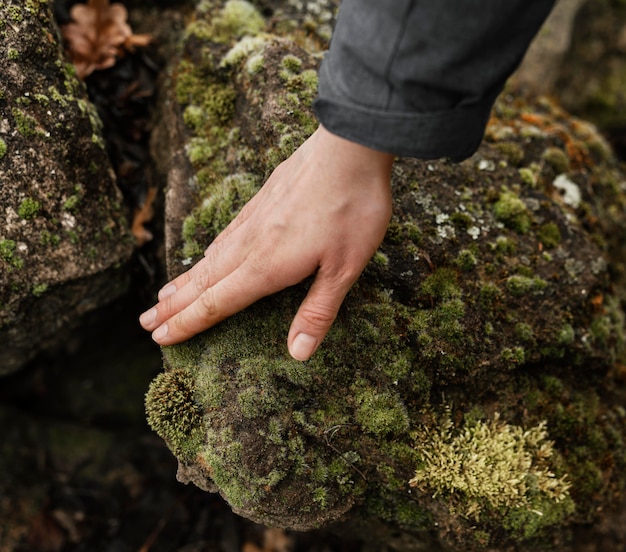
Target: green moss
489	294
12	54
40	289
381	413
3	148
291	63
71	203
528	177
549	235
557	159
29	208
26	125
172	412
15	13
513	356
524	332
225	200
466	260
441	284
566	335
512	152
512	211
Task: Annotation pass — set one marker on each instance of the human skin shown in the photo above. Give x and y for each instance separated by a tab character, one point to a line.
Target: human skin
323	211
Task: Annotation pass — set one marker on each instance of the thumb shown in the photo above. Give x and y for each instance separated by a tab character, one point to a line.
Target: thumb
316	315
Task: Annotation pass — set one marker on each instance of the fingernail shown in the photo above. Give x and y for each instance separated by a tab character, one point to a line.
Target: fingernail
160	332
303	346
148	317
168	290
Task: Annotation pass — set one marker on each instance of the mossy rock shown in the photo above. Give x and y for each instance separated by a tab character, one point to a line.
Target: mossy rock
489	320
64	234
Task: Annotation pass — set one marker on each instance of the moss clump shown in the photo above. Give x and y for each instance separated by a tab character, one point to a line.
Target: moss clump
528	176
549	235
512	151
466	260
237	18
512	211
3	148
381	413
489	466
557	159
441	284
29	208
26	125
519	285
7	250
172	412
40	289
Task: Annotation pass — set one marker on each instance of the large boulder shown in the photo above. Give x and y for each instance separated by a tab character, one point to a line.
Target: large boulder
471	389
63	233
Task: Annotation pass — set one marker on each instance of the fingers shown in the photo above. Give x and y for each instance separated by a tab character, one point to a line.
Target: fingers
187	288
317	313
227	297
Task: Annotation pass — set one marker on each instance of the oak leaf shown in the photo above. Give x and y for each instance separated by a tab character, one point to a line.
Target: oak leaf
98	34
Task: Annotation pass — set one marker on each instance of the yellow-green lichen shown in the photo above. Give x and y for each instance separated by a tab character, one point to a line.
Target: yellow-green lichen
489	466
3	148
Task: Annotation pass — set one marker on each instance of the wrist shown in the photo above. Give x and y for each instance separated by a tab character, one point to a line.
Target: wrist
358	157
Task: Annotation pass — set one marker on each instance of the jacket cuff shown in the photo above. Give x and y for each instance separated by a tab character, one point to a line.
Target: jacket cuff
455	133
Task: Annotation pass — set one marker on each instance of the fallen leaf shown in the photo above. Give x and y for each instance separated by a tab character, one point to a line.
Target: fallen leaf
98	35
142	215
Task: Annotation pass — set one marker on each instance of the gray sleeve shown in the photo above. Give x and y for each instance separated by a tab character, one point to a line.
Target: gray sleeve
418	78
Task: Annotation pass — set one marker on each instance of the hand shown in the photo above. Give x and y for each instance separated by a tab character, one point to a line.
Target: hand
324	210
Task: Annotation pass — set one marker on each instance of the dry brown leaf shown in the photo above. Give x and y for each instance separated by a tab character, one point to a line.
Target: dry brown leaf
274	540
142	215
98	34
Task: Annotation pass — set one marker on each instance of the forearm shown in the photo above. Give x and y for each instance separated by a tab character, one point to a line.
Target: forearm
419	78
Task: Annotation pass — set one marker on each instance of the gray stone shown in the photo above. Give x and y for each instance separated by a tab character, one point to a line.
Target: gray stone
63	235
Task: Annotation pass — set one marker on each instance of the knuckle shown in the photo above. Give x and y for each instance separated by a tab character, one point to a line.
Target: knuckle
208	304
202	281
319	316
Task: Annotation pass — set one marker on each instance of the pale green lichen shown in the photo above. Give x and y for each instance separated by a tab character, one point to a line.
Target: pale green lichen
519	285
242	50
488	465
238	18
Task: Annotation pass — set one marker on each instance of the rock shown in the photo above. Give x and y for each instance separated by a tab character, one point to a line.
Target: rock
592	77
540	67
63	234
469	391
